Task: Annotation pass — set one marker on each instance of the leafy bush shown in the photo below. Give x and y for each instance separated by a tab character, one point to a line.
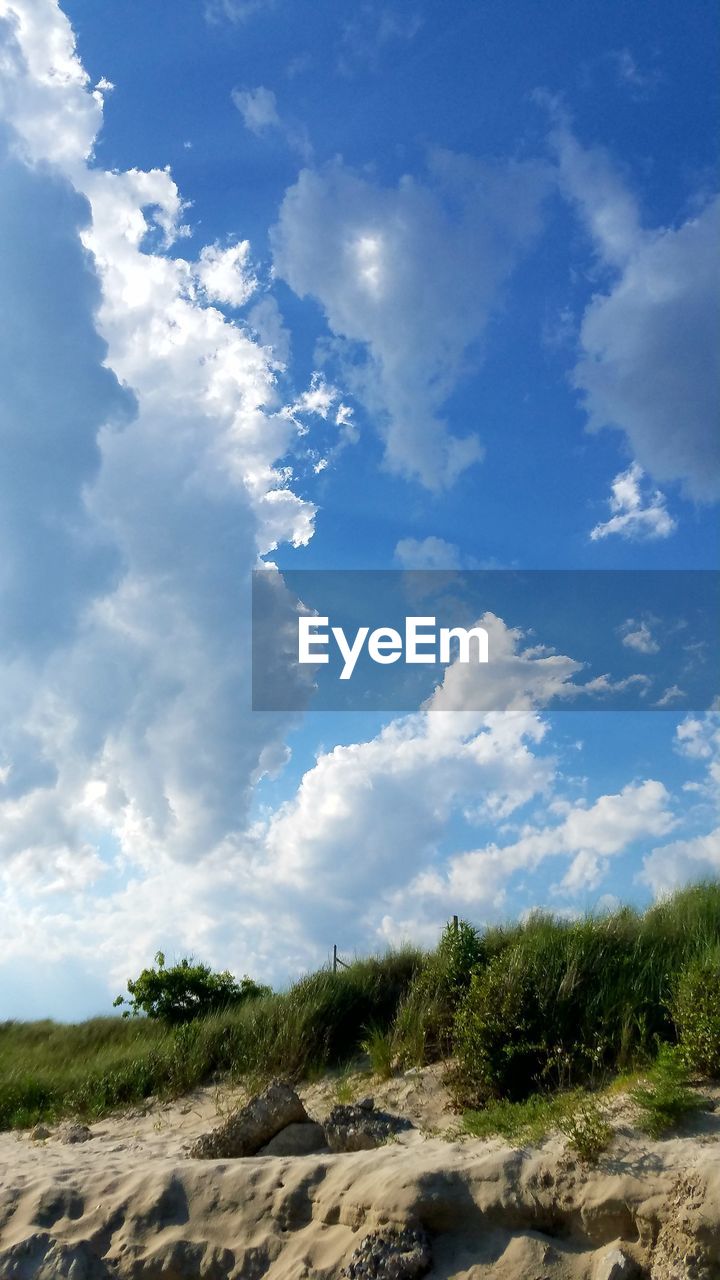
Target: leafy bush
695	1007
665	1099
562	1003
185	991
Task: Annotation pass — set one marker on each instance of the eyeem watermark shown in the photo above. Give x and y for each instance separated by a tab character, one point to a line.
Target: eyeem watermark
390	640
421	643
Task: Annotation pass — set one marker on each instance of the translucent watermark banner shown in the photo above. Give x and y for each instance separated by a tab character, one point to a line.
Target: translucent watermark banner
485	640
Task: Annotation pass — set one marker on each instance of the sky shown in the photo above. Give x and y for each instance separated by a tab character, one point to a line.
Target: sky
328	285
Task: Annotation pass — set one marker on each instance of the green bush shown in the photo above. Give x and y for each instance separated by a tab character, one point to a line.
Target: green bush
665	1099
695	1007
424	1025
587	1130
495	1034
559	1005
185	991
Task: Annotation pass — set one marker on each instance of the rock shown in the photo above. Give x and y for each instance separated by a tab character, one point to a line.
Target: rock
614	1264
75	1133
247	1130
40	1133
366	1104
296	1140
396	1253
355	1128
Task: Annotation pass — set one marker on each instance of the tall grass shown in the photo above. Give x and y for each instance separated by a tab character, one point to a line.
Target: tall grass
48	1070
525	1007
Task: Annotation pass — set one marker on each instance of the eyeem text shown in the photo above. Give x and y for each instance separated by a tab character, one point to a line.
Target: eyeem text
422	642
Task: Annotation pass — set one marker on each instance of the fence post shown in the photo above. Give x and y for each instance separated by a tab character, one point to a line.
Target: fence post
334	957
456	924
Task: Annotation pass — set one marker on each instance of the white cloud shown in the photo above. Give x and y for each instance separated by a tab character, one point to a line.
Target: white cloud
682	862
408	278
638	513
636	634
226	275
427	553
258	108
698	738
649	342
672	694
586	835
696	856
125	743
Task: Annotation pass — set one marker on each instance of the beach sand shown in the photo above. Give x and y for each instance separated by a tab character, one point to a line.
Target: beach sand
130	1203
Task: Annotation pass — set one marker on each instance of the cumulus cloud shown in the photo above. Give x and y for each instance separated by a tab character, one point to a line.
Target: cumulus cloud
226	275
638	512
587	835
408	277
55	396
692	857
649	341
145	430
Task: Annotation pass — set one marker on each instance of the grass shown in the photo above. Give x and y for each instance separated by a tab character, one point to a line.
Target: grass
527	1009
577	1114
521	1122
48	1070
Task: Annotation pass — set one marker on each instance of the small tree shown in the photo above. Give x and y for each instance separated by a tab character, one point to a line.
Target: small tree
186	990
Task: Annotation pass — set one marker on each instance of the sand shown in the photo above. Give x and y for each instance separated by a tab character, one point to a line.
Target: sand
129	1203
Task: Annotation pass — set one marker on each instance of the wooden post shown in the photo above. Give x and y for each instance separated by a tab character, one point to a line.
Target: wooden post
334	957
456	924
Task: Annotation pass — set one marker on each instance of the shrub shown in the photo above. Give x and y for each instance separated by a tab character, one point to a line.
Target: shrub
495	1046
587	1130
185	991
695	1008
665	1099
424	1025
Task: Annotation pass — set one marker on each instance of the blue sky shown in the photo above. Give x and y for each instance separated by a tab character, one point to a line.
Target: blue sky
334	286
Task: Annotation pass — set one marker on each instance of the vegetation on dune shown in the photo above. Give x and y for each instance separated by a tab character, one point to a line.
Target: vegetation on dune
185	991
523	1011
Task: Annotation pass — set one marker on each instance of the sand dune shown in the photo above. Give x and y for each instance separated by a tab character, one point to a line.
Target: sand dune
130	1203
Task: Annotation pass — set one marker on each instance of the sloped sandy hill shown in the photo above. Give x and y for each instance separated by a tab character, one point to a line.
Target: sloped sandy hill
129	1203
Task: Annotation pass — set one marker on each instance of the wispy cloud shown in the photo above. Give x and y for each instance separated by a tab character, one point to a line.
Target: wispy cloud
259	110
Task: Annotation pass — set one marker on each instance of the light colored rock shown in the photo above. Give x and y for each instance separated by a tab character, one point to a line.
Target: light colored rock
296	1140
40	1133
245	1132
614	1264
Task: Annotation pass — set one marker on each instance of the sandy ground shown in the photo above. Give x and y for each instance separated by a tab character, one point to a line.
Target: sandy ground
129	1202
